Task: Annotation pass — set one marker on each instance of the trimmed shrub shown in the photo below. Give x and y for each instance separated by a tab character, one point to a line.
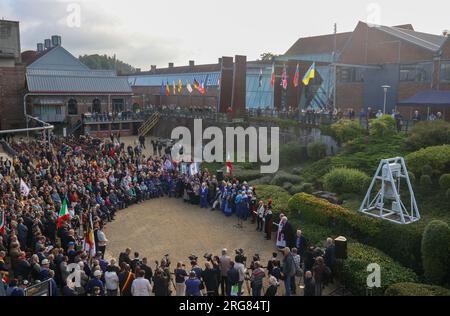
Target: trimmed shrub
292	153
344	180
353	270
416	289
436	252
279	196
444	181
316	170
427	170
346	130
296	171
428	133
263	180
317	150
447	194
412	177
247	175
296	189
398	241
307	188
287	186
383	127
437	157
282	177
425	182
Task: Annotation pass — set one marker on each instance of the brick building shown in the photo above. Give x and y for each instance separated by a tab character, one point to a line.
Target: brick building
353	67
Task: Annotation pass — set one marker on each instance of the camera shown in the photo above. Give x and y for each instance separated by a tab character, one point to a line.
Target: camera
193	258
208	256
240	257
256	257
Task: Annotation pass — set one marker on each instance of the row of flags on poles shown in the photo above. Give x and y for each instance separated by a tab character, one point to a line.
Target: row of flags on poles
310	74
177	87
202	87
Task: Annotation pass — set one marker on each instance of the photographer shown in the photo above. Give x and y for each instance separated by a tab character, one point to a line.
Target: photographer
180	279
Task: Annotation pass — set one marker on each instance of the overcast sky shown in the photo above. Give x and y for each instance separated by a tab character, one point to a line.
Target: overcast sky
147	32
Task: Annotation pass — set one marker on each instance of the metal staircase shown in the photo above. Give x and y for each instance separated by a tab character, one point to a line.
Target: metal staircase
148	125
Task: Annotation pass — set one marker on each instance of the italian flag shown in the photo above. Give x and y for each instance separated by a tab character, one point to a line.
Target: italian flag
64	214
2	222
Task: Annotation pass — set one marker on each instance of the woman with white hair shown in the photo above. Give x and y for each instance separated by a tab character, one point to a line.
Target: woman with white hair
273	287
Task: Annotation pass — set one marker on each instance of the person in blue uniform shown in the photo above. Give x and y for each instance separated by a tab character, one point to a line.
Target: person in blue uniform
204	195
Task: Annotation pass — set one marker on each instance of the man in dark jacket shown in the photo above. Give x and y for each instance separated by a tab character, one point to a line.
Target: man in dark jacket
289	234
125	257
232	277
210	277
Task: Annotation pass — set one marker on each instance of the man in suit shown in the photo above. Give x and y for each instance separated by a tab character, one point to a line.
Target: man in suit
301	244
288	233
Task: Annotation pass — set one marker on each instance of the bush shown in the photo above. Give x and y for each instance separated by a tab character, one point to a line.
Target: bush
346	130
412	177
287	186
296	171
282	177
316	150
398	241
344	180
416	289
437	157
316	170
292	153
279	196
247	175
383	127
353	271
425	182
263	180
296	189
436	252
427	170
428	133
444	181
307	188
447	194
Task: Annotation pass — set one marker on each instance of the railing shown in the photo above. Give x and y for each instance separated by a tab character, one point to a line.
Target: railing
149	124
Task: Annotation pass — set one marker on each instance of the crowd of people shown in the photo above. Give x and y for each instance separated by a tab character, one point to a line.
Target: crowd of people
96	179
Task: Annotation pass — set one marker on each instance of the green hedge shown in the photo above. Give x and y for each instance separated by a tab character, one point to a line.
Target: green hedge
428	133
444	181
346	130
292	153
383	127
416	289
398	241
279	196
345	180
436	252
353	271
316	150
282	177
437	157
247	175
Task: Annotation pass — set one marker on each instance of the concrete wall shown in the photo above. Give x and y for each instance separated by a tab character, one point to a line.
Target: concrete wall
10	38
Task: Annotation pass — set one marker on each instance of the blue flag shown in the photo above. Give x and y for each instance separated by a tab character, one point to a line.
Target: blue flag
162	89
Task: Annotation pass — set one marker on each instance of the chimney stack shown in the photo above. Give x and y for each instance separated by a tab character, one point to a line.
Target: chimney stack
40	47
138	70
47	43
170	65
56	40
220	61
446	33
191	63
153	68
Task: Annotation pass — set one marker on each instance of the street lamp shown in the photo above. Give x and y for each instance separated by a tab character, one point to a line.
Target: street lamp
385	88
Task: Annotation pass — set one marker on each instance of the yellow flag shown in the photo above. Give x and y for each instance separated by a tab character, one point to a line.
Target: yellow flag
180	86
174	87
310	74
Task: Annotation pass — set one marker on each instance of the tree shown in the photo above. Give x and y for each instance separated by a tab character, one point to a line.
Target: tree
267	56
105	62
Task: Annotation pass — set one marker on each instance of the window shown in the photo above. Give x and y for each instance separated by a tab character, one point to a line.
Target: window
104	127
349	74
96	106
115	127
5	31
118	105
125	126
73	107
445	71
421	72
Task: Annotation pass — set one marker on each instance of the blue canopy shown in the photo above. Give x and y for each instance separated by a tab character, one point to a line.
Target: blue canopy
428	98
